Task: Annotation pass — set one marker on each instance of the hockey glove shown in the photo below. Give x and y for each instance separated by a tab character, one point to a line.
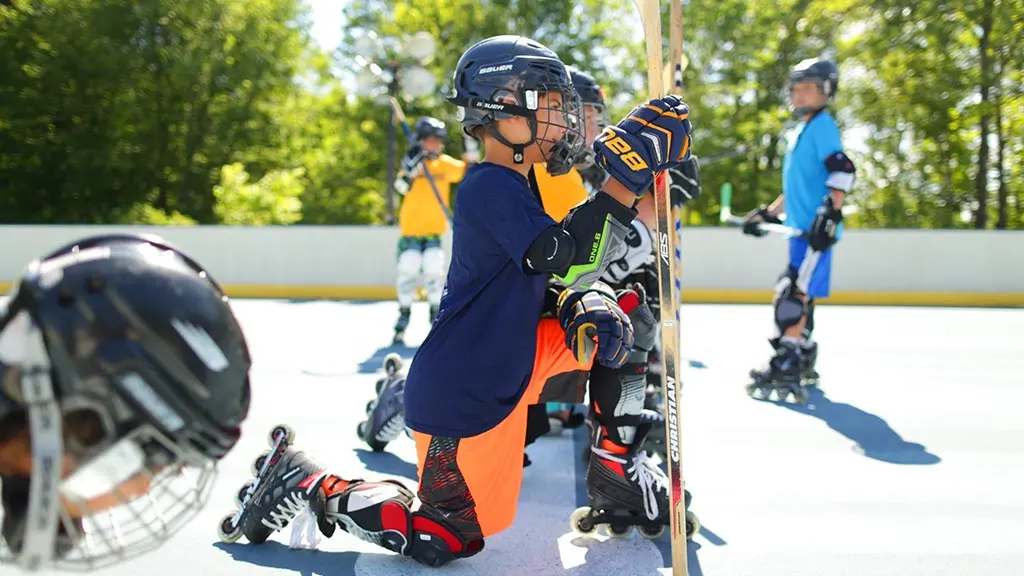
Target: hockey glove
684	181
653	137
411	161
824	226
634	302
598	226
595	327
647	277
755	217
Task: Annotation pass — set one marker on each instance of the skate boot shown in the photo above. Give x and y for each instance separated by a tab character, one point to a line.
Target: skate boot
783	376
809	355
285	482
385	413
400	326
626	490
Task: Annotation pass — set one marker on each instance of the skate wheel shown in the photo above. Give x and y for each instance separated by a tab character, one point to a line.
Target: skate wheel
370	405
618	530
227	531
392	364
800	396
376	445
379	386
361	429
651	532
781	394
279	431
692	525
257	464
580	521
757	391
240	495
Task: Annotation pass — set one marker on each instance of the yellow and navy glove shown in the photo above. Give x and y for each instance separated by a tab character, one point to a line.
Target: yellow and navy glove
653	137
595	326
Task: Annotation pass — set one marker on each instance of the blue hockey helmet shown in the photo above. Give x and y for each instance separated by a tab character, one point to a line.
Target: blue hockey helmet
122	361
428	126
592	95
822	72
502	77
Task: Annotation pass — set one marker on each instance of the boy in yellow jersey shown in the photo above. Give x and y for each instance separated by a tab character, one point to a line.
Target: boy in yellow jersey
423	218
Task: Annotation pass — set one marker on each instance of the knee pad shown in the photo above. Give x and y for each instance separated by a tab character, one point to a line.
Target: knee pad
433	273
409	262
433	262
435	542
788	303
381	513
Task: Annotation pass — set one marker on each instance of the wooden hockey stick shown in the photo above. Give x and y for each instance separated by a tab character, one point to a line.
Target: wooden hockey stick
650	15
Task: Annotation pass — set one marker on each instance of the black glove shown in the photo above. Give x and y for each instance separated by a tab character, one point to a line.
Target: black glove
597	225
824	226
684	181
755	217
411	160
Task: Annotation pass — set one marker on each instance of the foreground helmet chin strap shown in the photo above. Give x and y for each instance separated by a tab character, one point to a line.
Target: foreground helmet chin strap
21	344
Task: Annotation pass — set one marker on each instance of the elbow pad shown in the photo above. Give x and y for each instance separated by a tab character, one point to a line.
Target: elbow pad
841	172
552	251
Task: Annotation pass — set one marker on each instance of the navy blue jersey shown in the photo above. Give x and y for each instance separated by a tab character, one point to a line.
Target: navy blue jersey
476	363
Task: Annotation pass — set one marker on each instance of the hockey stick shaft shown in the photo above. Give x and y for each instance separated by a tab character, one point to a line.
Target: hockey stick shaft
400	116
650	15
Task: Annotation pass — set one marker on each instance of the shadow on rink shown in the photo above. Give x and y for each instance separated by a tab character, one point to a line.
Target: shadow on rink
375	362
387	463
873	435
272	554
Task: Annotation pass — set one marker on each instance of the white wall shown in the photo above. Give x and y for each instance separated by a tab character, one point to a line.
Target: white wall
354	259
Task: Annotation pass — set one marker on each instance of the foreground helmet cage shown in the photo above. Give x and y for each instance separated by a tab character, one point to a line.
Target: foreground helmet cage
822	72
503	77
134	335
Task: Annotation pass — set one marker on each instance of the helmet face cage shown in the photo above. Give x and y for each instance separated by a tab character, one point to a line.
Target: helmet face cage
491	90
133	486
561	136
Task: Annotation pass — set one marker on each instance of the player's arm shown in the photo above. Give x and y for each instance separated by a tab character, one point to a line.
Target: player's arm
842	175
840	179
652	138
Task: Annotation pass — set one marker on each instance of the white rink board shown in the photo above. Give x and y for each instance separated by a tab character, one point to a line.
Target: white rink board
360	260
910	465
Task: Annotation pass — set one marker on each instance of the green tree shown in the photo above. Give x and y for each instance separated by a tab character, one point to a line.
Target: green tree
107	104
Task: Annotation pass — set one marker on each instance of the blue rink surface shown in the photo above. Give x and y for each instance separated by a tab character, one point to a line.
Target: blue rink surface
909	461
